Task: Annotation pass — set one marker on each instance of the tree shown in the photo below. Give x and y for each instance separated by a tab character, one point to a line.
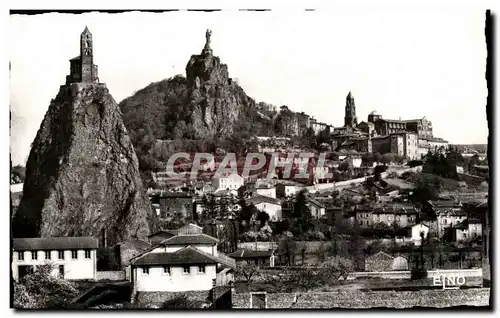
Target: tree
387	158
377	157
286	249
17	174
345	166
247	271
301	215
40	290
427	187
368	159
262	217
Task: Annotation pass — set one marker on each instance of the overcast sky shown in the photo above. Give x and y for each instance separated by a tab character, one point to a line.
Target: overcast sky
402	64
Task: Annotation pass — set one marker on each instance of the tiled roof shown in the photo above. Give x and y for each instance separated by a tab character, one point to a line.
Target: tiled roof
137	243
55	243
185	256
169	232
381	255
316	203
75	58
190	239
445	204
262	199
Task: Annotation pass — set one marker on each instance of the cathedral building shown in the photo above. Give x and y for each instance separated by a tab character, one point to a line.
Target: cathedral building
82	67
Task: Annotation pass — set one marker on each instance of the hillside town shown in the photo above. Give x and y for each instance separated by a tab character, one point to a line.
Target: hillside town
380	213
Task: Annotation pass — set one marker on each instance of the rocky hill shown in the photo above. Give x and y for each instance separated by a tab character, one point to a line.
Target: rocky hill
206	104
82	173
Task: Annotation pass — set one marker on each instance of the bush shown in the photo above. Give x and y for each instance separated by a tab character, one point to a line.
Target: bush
418	273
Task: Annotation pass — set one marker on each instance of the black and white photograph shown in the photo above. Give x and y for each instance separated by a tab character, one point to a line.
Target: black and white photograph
246	159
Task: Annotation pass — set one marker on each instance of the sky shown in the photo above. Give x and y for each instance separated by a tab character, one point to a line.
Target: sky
403	64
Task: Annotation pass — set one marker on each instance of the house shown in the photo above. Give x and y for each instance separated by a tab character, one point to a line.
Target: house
266	190
288	189
320	174
176	203
259	258
267	204
449	219
160	236
379	262
232	181
257	188
127	250
353	160
72	257
318	210
469	229
363	215
187	269
334	215
416	233
411	234
185	262
403	215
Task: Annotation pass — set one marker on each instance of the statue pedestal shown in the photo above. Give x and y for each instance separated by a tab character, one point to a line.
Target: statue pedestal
206	51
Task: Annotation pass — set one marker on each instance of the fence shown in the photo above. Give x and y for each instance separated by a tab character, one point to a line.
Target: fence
110	275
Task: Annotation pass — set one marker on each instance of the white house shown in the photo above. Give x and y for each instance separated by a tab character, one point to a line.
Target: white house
354	160
185	262
232	181
317	209
186	269
415	233
72	257
320	173
469	229
288	188
266	190
269	205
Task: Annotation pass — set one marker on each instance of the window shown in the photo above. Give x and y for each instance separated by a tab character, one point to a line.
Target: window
47	254
201	269
187	270
145	270
166	270
74	254
465	235
87	254
60	254
34	255
61	271
20	256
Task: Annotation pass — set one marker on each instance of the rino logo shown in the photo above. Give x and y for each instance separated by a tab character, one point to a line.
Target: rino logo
449	281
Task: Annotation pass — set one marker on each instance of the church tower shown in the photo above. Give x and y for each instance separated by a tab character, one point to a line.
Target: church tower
350	119
86	55
83	69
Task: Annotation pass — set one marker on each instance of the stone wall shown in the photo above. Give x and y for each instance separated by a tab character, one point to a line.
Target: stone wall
357	299
110	275
155	299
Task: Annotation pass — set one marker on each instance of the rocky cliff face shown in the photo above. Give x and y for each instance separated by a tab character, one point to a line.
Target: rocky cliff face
82	173
215	100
